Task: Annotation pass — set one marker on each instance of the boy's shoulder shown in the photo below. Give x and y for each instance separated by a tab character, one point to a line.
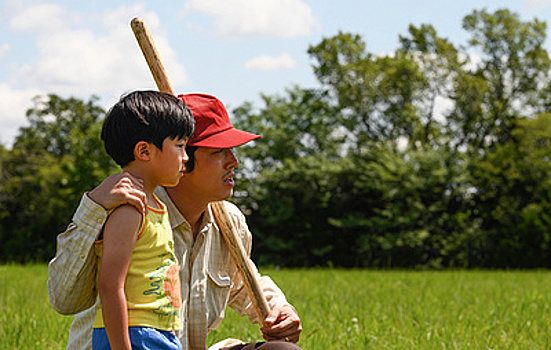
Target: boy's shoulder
125	212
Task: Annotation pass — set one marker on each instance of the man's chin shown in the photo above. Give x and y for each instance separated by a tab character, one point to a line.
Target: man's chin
228	195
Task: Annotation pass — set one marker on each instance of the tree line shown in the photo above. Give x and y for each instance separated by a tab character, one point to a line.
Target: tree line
435	155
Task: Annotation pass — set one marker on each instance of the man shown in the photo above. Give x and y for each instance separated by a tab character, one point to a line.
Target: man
209	279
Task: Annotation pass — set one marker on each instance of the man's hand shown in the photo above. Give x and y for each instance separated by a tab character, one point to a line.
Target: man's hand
282	323
119	189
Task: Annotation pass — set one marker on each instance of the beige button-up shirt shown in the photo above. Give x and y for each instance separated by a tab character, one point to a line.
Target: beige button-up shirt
209	278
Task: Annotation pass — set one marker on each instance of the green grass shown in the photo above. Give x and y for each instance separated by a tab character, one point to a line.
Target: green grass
343	309
26	319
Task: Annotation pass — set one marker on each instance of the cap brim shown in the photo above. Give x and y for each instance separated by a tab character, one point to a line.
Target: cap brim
226	139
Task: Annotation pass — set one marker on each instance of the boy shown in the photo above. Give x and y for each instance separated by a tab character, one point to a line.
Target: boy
138	276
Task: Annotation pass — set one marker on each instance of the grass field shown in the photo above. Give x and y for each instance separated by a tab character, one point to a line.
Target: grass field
342	309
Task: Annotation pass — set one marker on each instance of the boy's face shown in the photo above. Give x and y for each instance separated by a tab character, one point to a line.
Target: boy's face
169	164
212	177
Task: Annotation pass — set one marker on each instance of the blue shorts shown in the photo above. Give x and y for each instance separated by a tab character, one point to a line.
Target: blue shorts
142	338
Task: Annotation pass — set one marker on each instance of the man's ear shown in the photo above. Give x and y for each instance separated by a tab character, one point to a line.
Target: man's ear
142	151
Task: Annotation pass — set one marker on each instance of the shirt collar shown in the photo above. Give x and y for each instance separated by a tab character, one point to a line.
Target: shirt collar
209	216
174	216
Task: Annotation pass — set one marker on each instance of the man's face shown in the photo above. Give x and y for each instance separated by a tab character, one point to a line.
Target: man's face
212	177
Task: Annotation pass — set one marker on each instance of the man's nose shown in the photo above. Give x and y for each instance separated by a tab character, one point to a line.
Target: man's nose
233	161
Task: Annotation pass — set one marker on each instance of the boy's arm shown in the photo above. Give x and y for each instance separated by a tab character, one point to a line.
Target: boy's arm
119	238
72	272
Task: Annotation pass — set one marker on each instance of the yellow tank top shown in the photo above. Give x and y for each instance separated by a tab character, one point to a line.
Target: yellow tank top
152	285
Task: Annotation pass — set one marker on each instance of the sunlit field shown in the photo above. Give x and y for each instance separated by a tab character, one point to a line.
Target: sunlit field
342	309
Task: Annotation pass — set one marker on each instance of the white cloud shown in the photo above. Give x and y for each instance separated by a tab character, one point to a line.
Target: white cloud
283	61
86	62
535	5
79	54
13	105
42	18
277	18
4	49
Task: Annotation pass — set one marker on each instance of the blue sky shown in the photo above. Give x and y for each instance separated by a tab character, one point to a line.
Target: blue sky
233	49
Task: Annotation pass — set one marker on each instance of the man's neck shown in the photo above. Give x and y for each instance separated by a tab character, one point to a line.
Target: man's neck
191	208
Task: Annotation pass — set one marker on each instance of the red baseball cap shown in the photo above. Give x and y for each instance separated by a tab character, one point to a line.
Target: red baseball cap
212	123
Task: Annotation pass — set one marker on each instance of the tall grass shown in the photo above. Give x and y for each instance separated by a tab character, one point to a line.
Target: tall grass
362	309
342	309
26	319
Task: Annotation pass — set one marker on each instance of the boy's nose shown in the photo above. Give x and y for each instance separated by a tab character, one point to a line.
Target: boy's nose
185	157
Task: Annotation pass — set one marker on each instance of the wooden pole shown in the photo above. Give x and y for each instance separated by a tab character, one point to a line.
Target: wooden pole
152	56
227	229
241	259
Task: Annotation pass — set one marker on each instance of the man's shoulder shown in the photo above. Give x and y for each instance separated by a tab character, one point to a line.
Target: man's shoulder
233	209
235	214
239	220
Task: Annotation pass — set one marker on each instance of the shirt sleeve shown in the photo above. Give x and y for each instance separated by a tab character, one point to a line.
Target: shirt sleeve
72	272
239	299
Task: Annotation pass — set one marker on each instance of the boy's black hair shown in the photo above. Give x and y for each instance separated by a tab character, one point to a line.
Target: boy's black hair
149	116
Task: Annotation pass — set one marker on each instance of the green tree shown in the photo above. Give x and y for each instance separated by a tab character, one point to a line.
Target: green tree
513	66
440	64
375	95
52	162
367	171
302	118
513	185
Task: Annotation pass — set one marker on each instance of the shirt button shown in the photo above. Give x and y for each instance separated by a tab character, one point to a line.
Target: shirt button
82	256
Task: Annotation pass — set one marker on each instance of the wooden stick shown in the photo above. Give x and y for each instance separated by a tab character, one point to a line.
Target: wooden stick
241	259
227	229
152	56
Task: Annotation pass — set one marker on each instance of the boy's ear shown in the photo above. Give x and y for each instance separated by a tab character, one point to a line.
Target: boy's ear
142	151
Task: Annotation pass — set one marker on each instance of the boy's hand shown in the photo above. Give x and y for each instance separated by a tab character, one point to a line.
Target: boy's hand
119	189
